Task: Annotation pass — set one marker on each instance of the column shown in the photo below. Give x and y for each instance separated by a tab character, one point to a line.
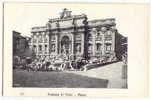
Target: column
56	44
93	42
31	42
49	43
72	44
103	43
82	43
37	39
113	41
47	36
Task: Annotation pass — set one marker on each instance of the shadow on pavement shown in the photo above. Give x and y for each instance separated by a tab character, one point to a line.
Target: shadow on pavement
55	80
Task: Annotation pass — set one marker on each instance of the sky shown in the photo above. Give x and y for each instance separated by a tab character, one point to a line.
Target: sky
22	17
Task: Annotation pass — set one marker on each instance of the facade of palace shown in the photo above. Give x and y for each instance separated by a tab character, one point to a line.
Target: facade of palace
75	36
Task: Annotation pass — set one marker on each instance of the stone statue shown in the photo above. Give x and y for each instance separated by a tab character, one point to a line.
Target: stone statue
64	49
65	13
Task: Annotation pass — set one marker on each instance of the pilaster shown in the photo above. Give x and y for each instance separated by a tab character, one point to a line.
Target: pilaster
113	42
72	44
103	43
56	44
82	43
94	45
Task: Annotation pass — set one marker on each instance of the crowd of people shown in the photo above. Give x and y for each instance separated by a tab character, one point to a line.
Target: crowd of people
48	64
56	63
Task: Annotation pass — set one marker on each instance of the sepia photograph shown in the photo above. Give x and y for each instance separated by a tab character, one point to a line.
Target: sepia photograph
79	47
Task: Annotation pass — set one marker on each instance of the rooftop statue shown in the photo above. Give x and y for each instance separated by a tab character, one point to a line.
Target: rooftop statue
65	13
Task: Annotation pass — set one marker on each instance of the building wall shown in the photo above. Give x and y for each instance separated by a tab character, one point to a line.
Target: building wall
40	43
19	44
101	38
76	36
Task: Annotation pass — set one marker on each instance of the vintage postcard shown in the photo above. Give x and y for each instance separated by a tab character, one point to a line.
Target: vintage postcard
75	49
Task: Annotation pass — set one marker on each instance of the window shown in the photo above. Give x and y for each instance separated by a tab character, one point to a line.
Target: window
78	37
98	46
40	39
40	47
109	32
53	38
34	48
45	38
52	47
89	37
108	35
34	39
46	47
108	47
90	48
17	43
99	37
98	33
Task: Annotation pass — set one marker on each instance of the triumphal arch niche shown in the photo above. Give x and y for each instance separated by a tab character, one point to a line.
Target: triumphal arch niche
67	34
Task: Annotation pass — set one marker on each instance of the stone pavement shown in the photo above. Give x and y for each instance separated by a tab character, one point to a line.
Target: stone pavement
111	72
